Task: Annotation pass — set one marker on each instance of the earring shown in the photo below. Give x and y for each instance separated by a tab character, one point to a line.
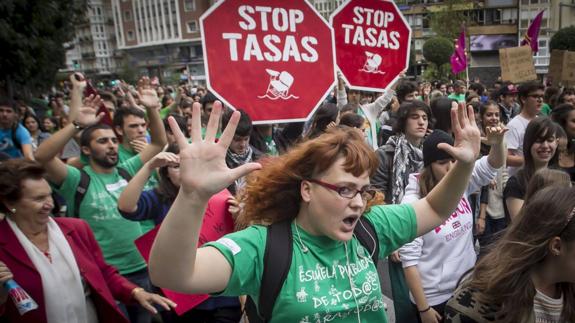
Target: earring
13	210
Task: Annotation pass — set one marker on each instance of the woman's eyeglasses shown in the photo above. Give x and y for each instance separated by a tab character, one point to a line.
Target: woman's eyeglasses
367	193
536	96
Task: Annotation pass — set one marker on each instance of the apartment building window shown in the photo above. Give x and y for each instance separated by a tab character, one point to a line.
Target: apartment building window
130	35
189	5
127	15
98	11
192	26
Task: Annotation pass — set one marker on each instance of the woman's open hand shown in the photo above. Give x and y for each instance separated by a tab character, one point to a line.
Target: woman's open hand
203	168
467	143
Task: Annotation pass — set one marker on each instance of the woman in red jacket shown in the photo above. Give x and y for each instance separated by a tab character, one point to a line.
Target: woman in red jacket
56	260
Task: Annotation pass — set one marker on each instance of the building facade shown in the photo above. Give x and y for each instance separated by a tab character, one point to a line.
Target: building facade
161	37
93	49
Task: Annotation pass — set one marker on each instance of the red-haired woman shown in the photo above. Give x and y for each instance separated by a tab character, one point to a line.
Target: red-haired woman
322	188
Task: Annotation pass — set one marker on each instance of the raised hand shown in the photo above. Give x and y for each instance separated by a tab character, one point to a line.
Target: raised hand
88	113
148	95
203	169
494	135
78	81
467	136
163	159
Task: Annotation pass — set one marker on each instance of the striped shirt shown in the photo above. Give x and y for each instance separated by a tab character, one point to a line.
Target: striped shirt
547	309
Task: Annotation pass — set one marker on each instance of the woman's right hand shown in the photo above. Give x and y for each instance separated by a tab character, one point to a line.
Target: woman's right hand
203	169
5	275
163	159
430	316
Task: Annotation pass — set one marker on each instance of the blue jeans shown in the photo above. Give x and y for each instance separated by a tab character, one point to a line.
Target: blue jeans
136	313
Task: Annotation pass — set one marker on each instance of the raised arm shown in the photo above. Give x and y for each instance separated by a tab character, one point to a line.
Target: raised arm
85	116
175	261
438	205
128	201
149	99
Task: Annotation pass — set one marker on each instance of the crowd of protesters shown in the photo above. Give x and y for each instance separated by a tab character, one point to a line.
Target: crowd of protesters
466	189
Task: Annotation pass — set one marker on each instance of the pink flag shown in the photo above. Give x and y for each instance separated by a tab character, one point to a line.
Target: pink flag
531	38
459	59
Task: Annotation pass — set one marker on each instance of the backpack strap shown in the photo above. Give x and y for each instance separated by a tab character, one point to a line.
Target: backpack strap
81	190
367	236
124	173
15	140
277	262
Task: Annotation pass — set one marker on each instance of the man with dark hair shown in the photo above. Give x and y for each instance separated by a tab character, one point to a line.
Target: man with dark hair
459	89
406	91
530	97
240	151
507	100
105	181
207	102
15	140
130	124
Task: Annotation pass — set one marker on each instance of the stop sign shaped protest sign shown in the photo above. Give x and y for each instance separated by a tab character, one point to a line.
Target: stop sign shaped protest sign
273	59
372	40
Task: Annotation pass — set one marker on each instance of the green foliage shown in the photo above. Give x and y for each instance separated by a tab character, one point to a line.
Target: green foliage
128	72
438	50
32	34
433	73
564	39
448	21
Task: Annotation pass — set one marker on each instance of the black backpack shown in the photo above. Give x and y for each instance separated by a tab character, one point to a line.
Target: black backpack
276	265
85	183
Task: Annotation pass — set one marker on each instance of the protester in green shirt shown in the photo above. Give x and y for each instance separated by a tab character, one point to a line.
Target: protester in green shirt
99	143
459	89
323	185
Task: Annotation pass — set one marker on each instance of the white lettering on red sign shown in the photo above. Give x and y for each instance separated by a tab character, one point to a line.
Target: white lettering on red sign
271	47
369	29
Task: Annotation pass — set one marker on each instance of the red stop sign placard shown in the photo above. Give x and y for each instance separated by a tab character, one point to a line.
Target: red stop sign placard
372	40
272	58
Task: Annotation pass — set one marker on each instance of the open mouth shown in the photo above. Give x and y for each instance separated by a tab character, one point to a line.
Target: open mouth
351	220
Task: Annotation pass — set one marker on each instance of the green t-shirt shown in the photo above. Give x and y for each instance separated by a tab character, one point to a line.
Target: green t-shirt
317	287
545	109
125	154
457	97
99	208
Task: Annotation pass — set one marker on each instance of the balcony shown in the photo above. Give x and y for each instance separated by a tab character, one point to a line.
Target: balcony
88	55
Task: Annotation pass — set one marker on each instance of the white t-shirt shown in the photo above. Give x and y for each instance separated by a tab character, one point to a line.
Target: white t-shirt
514	138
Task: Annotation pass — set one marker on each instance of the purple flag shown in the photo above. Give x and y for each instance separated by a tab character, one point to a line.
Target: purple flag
531	38
459	59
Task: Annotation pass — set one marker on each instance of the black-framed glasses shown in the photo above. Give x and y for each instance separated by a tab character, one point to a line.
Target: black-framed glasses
367	193
536	96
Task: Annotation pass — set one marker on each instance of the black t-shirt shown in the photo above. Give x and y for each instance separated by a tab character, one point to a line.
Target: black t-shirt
515	188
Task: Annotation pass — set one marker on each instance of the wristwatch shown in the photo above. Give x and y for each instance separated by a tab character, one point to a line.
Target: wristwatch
77	126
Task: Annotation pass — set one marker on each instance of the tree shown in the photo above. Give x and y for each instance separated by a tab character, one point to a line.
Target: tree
447	21
33	34
564	39
438	50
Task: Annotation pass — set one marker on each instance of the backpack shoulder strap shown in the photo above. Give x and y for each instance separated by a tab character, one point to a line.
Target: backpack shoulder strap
124	173
367	236
15	140
81	190
277	262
